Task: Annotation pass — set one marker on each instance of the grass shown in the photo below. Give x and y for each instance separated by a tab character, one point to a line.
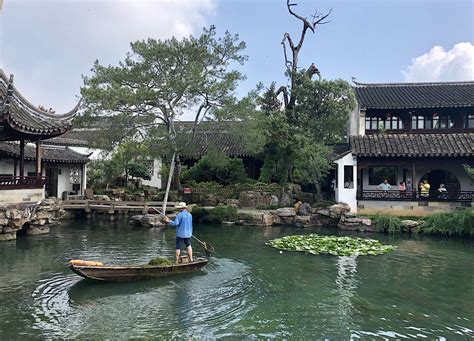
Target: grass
387	223
457	223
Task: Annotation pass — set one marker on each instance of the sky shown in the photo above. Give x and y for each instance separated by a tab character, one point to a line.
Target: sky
49	44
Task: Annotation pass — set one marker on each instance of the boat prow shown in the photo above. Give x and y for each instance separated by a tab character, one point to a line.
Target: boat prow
137	272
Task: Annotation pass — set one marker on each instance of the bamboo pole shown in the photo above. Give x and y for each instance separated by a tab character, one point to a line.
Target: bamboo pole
168	185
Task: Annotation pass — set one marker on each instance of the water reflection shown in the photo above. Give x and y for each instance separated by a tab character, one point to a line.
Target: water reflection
346	282
248	290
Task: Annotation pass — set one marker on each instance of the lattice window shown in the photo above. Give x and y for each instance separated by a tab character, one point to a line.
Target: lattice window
74	176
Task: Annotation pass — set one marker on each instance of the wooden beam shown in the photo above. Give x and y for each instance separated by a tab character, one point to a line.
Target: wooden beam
38	159
22	158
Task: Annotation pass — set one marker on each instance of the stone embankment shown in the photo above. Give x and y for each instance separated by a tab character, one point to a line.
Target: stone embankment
34	218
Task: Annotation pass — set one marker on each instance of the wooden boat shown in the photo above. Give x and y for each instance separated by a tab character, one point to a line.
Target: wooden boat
136	272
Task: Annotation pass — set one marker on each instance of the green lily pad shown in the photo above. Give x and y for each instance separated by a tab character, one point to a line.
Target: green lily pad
333	245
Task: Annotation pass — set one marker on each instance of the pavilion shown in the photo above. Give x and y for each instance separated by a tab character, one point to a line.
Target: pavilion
20	123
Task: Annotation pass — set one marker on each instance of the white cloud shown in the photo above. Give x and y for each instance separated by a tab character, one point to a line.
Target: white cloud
456	64
49	44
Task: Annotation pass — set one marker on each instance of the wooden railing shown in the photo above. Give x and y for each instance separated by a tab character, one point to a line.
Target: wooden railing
111	206
17	182
413	195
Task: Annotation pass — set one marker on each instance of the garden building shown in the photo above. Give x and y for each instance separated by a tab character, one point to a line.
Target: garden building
408	132
29	169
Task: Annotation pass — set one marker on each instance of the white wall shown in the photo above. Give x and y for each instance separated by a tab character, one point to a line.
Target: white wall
155	180
7	167
346	195
64	179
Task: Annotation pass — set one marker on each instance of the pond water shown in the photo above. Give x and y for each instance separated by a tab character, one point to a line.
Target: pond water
248	290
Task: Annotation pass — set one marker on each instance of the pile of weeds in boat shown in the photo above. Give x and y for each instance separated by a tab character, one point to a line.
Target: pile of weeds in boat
337	246
160	261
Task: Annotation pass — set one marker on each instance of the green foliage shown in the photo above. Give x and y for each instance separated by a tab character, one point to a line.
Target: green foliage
214	215
216	166
337	246
157	82
128	160
296	140
456	223
387	223
470	171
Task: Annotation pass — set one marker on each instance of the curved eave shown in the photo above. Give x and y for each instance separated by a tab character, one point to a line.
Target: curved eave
16	96
49	132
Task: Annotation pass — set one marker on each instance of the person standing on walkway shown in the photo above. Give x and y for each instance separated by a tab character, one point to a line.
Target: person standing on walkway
184	230
425	190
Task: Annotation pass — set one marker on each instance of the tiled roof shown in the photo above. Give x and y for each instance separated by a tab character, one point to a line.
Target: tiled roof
18	114
415	95
216	134
76	137
50	154
413	145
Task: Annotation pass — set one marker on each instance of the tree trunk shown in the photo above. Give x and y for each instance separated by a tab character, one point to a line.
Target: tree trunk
168	185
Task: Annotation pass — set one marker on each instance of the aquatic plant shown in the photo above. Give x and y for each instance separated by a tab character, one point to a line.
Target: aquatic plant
387	223
459	222
333	245
160	261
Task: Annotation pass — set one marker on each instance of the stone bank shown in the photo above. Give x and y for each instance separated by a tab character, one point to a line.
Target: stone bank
34	218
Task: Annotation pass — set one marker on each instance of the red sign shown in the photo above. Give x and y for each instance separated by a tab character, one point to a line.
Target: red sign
187	190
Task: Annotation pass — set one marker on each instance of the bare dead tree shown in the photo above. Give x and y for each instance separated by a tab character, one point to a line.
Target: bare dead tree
291	59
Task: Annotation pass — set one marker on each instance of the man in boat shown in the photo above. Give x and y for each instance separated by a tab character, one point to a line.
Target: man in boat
184	230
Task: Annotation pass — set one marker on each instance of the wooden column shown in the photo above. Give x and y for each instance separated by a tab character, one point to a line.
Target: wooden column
413	181
22	158
38	159
15	167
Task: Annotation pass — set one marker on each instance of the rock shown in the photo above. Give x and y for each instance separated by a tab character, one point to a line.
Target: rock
337	210
305	209
410	224
7	236
231	202
3	221
209	200
302	220
274	201
286	212
17	222
267	219
102	197
14	214
34	230
276	219
152	220
135	219
355	224
250	199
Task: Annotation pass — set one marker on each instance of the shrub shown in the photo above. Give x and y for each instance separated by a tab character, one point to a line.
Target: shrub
387	223
214	215
459	222
218	167
199	214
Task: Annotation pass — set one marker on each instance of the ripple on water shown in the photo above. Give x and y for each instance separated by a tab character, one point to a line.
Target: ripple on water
204	304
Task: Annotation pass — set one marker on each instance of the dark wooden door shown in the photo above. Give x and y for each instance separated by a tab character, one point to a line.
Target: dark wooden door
52	181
